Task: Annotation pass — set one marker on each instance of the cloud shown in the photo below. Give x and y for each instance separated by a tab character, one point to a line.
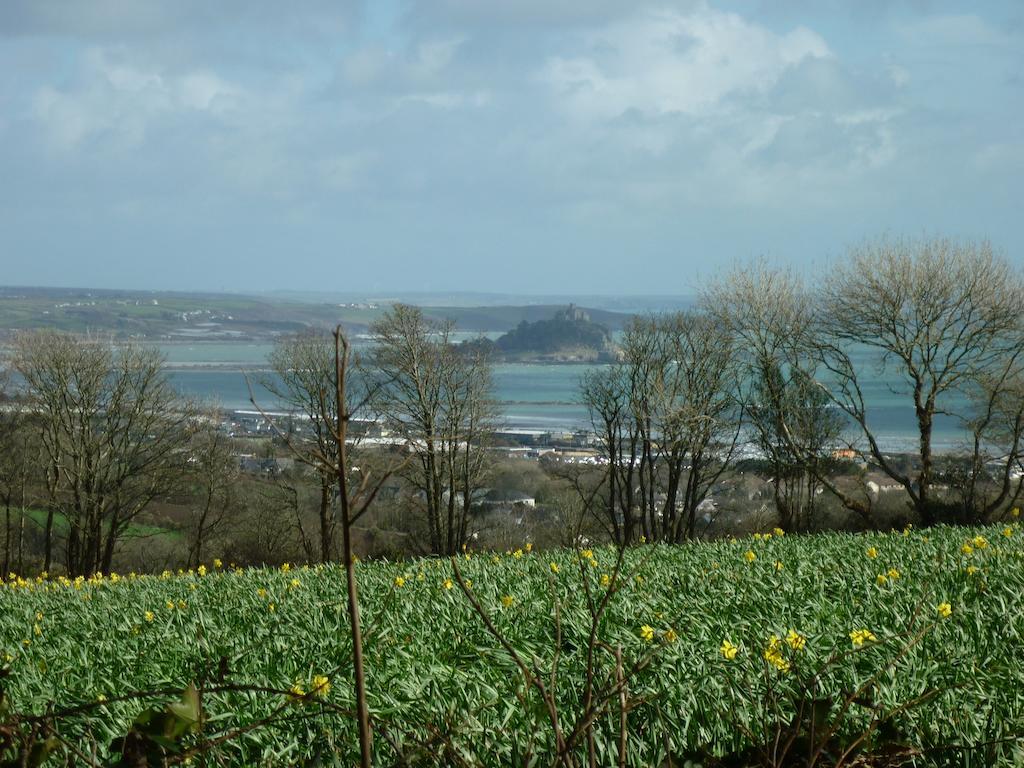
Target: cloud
707	109
473	140
115	100
667	62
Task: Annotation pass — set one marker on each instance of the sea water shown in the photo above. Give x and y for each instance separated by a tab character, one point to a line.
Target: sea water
534	395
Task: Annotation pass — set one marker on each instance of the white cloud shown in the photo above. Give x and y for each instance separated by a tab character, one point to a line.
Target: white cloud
204	91
603	123
665	62
118	100
709	108
64	119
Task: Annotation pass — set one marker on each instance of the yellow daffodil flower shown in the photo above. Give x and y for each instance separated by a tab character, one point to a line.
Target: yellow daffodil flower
728	650
861	636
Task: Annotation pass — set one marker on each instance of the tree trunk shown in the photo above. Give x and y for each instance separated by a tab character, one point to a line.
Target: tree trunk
21	543
693	481
107	561
782	502
613	473
47	540
326	537
924	479
7	539
670	514
433	499
195	555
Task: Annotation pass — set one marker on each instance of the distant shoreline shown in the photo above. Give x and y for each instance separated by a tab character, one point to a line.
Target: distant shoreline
226	367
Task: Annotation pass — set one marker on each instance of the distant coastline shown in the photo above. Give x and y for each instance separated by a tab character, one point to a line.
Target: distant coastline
533	391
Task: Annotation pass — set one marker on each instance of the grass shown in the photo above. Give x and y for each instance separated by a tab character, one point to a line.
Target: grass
60	525
432	666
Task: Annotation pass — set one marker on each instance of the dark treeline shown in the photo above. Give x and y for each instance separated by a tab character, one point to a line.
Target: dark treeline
103	466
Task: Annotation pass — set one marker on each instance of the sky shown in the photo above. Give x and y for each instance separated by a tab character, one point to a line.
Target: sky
522	146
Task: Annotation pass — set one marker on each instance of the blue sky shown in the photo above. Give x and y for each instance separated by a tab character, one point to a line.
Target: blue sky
533	146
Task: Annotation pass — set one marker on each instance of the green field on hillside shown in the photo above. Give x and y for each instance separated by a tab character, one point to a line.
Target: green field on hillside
163	315
912	638
60	525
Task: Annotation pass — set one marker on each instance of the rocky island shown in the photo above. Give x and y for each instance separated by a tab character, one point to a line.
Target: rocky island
568	337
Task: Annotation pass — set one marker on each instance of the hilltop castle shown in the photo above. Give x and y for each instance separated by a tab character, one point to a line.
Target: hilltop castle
572	314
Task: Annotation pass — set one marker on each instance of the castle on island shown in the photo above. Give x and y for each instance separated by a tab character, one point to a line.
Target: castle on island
572	314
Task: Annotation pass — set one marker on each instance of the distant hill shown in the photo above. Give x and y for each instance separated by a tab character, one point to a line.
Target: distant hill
158	315
505	318
625	304
182	316
568	336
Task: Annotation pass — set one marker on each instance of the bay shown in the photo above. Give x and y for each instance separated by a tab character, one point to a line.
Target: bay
531	395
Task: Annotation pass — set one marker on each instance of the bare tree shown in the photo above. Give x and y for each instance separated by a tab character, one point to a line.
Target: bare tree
699	416
772	316
939	314
9	418
114	434
795	428
264	535
17	472
19	479
303	381
667	422
438	399
214	479
993	480
644	370
605	394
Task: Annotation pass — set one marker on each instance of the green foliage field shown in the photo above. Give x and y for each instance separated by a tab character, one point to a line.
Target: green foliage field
434	668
